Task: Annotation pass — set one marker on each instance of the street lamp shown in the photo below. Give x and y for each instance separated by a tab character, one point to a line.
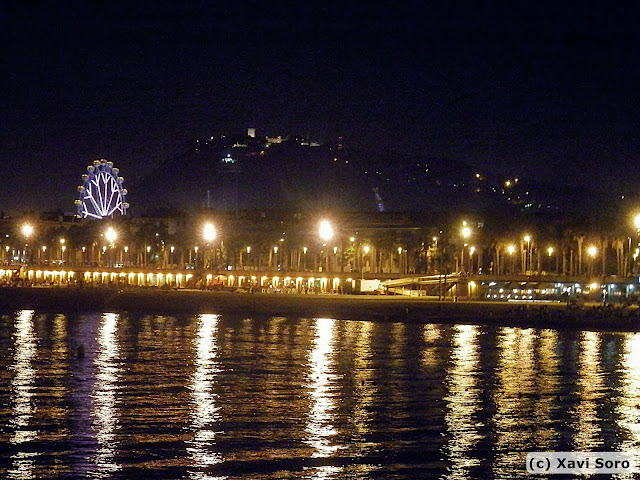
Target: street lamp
195	249
511	249
636	222
325	230
592	251
27	231
209	234
111	235
63	247
366	249
466	233
326	233
527	256
471	252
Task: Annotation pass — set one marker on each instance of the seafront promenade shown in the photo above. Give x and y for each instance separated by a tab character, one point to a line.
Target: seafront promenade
443	287
380	308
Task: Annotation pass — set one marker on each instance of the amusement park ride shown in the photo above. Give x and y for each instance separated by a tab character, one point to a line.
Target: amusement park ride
101	193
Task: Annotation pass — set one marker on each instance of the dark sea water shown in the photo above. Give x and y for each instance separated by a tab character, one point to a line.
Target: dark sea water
215	396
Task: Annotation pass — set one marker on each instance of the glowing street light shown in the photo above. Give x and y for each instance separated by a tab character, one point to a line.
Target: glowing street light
209	232
528	253
27	230
466	233
326	230
472	250
592	251
111	235
511	249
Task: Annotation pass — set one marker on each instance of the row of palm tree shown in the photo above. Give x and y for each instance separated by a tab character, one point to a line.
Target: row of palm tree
545	248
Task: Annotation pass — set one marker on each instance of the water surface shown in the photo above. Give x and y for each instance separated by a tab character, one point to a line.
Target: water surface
215	396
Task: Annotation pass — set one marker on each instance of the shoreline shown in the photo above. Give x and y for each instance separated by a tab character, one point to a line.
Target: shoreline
353	307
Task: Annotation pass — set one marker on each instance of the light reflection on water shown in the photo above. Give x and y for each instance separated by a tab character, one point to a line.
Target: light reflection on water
628	408
320	425
516	417
215	396
23	391
546	390
590	391
463	402
105	402
206	412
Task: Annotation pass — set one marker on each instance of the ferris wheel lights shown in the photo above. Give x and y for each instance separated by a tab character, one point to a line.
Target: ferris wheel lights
101	194
124	191
77	202
116	170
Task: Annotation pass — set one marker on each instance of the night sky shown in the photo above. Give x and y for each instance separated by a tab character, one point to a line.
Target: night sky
545	91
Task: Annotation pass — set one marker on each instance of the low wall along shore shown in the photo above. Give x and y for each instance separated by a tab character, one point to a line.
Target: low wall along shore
362	307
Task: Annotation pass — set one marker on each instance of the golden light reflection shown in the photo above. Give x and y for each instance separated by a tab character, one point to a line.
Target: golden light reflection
627	408
363	371
463	401
515	410
105	402
320	425
590	390
548	388
431	334
22	392
206	413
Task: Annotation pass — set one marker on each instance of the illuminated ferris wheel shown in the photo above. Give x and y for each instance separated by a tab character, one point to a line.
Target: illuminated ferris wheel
101	193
